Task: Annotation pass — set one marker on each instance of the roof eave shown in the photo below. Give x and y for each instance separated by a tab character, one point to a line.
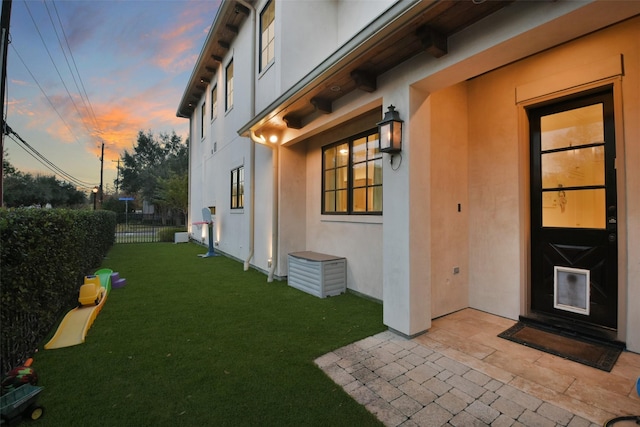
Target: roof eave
185	108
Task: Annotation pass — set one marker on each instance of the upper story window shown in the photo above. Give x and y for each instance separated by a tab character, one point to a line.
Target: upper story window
214	102
267	34
203	114
229	86
352	176
237	188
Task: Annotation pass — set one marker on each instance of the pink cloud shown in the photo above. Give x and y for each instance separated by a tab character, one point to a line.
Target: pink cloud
175	54
20	82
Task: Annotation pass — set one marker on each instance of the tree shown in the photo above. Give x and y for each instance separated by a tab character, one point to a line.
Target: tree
7	168
23	189
148	168
173	193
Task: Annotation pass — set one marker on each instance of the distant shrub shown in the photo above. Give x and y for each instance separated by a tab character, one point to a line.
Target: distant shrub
166	234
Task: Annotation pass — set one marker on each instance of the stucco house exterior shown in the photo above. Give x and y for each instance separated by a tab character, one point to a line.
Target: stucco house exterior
517	187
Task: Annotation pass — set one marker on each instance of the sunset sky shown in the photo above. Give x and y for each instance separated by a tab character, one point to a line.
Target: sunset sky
83	72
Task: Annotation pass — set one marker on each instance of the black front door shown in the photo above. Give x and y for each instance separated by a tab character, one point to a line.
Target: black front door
573	213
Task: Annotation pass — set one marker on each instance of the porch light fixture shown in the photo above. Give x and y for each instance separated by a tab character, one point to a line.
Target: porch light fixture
390	131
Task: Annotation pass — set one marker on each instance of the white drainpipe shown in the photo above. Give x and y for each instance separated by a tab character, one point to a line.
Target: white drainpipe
252	201
274	225
254	138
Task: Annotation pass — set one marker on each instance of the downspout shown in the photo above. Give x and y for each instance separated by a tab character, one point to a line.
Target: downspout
274	225
252	201
254	139
188	216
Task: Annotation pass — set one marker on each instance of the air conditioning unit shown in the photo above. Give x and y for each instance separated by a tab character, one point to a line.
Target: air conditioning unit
318	274
181	237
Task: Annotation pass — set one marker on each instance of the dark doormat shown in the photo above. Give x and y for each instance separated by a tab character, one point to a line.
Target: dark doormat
582	350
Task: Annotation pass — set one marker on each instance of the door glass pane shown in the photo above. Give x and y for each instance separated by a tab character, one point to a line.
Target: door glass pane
574	208
572	128
573	168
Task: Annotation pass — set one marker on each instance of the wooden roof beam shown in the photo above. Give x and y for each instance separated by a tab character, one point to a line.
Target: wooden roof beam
364	80
322	104
292	122
433	42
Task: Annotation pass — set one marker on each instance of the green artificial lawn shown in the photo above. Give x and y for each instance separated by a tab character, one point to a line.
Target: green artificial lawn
193	341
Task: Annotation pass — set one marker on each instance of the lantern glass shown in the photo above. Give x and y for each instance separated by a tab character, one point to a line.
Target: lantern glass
385	136
390	131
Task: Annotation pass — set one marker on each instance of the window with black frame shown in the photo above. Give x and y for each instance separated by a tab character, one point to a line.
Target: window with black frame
237	188
214	102
352	176
203	113
229	86
267	35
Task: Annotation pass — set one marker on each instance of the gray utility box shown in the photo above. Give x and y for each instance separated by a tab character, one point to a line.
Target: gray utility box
318	274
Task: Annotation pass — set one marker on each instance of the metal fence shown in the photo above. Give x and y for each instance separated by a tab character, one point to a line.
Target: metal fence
142	228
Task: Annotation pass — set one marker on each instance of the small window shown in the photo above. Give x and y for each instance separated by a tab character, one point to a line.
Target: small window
267	35
237	188
352	176
203	112
214	102
229	87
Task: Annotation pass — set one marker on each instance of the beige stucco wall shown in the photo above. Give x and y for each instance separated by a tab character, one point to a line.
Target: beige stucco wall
494	199
292	199
498	170
449	177
631	142
358	238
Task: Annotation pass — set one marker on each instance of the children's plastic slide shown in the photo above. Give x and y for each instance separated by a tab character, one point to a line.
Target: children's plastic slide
75	325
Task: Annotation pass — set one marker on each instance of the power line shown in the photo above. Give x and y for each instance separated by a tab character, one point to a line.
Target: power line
85	187
42	159
69	178
87	103
56	68
45	94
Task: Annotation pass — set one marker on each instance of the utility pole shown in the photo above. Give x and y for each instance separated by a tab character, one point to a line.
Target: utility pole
101	174
117	175
4	47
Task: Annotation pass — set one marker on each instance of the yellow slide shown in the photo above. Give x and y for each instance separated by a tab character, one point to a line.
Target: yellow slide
75	325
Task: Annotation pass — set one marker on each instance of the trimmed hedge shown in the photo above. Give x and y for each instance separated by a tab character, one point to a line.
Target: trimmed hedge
44	255
167	234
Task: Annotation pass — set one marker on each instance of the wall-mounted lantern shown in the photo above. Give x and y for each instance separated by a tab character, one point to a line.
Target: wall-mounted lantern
390	131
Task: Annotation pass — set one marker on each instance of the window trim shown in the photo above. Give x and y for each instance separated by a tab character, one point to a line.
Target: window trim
271	42
203	114
214	105
228	86
350	212
238	198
